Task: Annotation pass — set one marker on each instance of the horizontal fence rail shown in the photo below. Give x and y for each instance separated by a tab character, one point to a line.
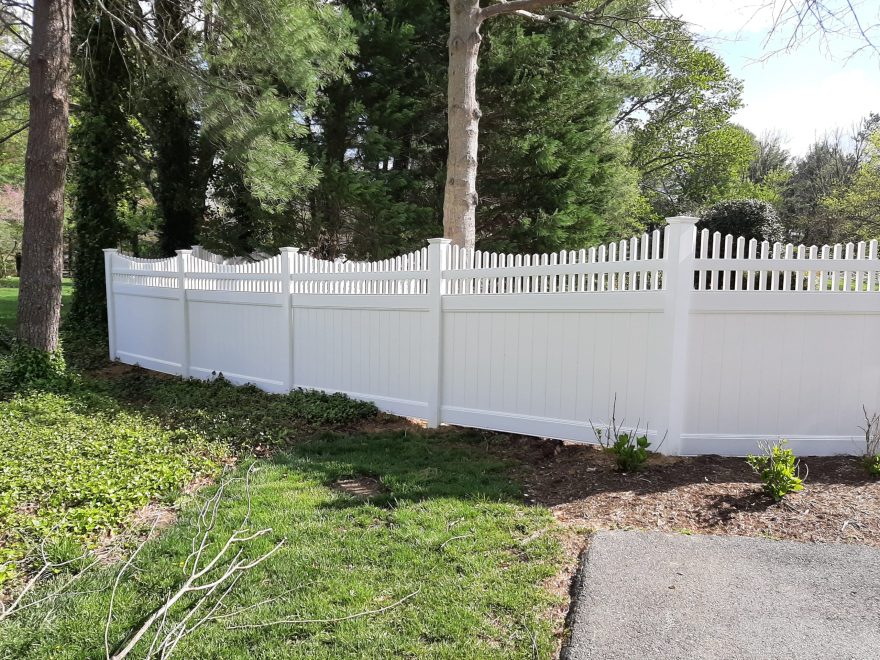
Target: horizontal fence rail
712	342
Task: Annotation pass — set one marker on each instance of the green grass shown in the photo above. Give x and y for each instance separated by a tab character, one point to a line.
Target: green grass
449	527
9	300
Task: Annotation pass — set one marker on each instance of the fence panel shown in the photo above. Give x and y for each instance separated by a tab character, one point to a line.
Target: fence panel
713	342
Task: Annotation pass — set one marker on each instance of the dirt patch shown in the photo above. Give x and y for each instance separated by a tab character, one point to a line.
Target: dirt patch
840	502
361	487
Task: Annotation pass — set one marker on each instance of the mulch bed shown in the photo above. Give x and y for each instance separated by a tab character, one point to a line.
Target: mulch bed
840	502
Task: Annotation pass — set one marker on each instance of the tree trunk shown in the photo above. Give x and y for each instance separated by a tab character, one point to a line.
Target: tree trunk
39	304
460	195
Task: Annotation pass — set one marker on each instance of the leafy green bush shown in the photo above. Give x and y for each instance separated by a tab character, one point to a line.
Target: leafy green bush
779	470
872	465
630	450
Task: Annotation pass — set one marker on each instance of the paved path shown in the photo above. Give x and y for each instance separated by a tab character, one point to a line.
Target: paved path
649	595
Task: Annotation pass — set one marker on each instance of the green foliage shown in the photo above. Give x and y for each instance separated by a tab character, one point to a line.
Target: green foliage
859	202
27	368
779	470
872	465
230	121
13	106
101	142
449	525
552	173
683	144
242	416
630	450
73	465
751	218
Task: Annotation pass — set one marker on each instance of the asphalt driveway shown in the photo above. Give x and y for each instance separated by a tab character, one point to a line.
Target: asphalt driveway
649	595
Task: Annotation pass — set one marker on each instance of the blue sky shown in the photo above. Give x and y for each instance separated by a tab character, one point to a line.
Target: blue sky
817	88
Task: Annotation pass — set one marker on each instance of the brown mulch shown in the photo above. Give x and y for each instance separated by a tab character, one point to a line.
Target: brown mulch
840	502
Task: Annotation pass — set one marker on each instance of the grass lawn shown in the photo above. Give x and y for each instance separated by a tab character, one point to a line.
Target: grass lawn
442	527
9	300
448	527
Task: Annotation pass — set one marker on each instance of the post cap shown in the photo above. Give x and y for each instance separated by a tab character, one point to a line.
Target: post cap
288	249
439	241
183	251
111	251
682	220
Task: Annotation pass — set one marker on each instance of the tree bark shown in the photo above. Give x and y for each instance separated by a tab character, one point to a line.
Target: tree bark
39	304
460	195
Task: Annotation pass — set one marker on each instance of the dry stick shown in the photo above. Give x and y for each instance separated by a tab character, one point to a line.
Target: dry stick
205	524
294	622
190	586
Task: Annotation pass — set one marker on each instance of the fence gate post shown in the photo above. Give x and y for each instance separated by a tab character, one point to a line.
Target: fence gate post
679	282
438	254
111	307
287	304
182	262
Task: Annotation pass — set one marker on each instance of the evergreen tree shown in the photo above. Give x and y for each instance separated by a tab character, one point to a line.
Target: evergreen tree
100	143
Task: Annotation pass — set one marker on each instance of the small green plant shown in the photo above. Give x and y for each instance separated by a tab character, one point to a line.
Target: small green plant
629	448
29	368
779	469
871	459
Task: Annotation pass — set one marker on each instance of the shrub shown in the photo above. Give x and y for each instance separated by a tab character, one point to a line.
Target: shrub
779	470
630	450
752	218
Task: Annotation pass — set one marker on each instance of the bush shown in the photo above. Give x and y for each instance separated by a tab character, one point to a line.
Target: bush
630	450
779	470
752	218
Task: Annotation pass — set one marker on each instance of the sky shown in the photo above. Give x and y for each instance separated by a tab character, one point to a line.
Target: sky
820	86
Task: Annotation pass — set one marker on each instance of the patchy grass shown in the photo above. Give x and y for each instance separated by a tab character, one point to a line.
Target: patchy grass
448	526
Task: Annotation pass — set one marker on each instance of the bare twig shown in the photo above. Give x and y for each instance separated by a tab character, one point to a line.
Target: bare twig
332	620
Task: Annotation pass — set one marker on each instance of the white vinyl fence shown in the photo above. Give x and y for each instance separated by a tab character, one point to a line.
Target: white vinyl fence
715	342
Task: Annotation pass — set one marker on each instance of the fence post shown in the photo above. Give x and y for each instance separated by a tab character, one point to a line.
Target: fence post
182	259
438	255
679	282
111	307
287	304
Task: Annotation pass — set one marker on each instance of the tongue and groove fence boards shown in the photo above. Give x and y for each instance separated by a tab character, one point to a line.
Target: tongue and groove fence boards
715	342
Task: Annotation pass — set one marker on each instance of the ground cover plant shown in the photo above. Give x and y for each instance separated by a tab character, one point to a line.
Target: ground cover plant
75	466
